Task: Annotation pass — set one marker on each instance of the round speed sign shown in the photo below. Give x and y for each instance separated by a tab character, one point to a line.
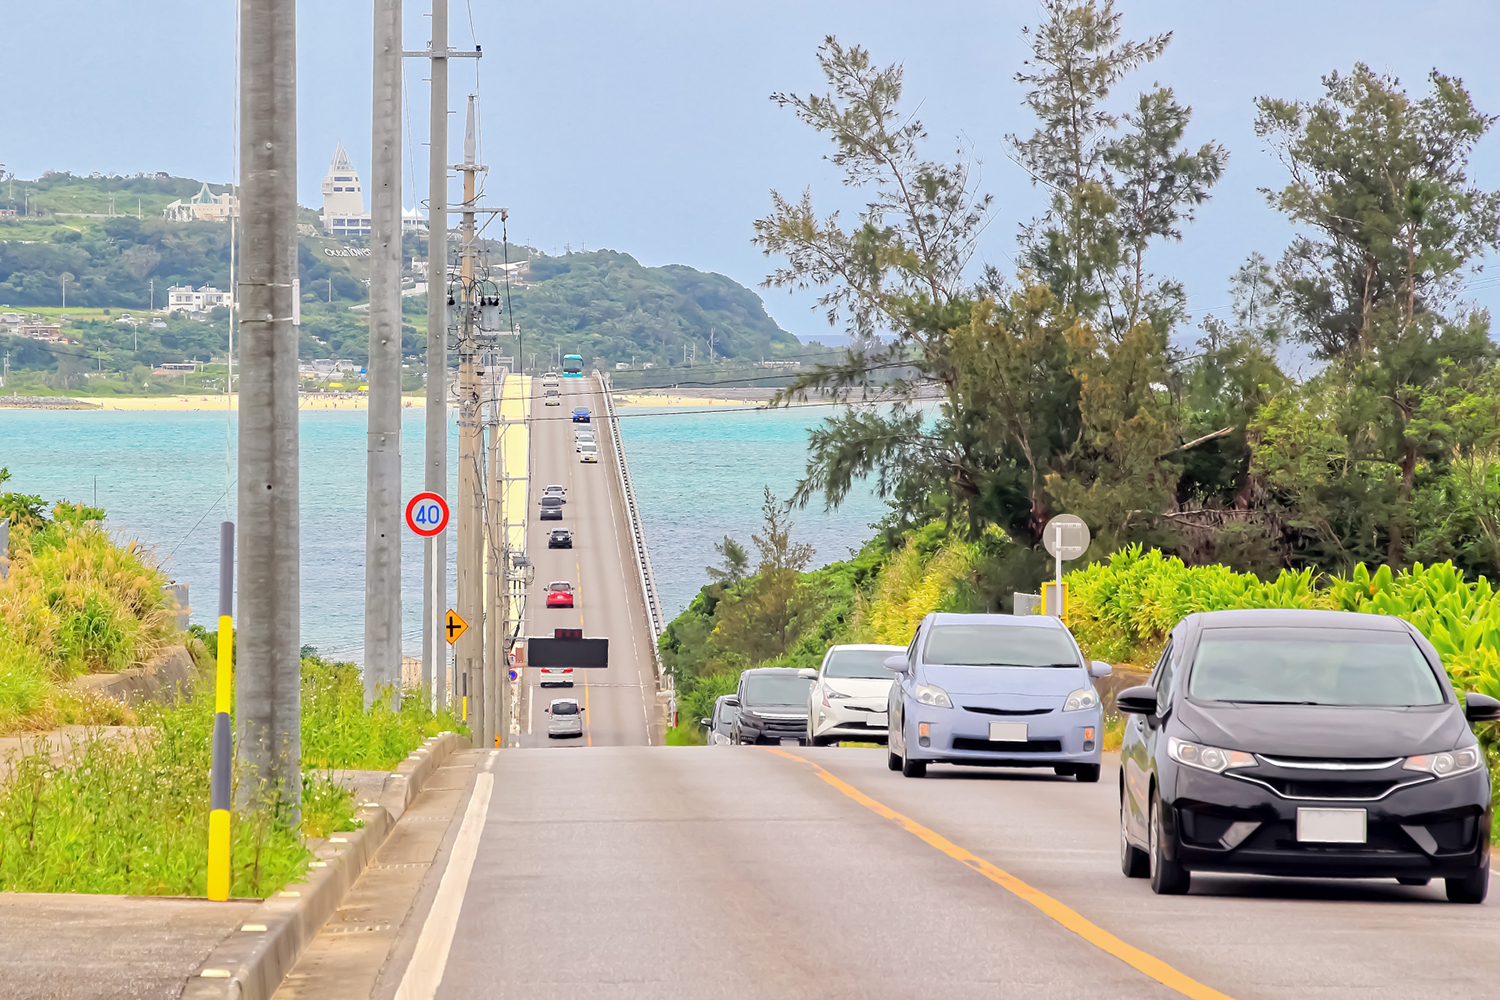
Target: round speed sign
427	514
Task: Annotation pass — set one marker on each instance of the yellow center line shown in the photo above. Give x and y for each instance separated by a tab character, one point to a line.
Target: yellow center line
1065	915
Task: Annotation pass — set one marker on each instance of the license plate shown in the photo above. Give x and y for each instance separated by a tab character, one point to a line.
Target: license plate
881	721
790	743
1331	826
1007	732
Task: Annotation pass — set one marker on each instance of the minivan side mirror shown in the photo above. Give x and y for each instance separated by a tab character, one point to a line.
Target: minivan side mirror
807	673
896	663
1138	700
705	723
1100	669
733	701
1481	707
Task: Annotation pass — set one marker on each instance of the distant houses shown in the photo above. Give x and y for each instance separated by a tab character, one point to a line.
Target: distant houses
18	325
205	206
185	298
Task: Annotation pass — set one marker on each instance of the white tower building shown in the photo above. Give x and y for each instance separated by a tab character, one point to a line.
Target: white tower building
343	199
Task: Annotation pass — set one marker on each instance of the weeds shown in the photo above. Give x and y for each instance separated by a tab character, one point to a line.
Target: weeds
338	732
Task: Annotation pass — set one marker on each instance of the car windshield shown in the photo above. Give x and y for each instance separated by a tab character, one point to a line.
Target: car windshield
776	689
998	644
564	708
866	663
551	501
1312	666
561	586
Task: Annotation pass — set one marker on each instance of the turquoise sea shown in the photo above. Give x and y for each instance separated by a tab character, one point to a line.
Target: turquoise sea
161	478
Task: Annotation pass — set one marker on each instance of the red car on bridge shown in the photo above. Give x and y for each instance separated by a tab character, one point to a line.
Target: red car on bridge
560	594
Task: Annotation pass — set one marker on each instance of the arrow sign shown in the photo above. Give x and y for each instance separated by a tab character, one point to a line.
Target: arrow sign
427	514
454	626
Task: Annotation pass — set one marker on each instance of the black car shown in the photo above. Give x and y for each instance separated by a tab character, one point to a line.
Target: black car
720	724
1307	743
561	538
772	706
552	508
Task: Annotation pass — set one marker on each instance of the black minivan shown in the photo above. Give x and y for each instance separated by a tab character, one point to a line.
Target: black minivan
1307	743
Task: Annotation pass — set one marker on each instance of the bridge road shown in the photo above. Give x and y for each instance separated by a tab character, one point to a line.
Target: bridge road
619	702
678	872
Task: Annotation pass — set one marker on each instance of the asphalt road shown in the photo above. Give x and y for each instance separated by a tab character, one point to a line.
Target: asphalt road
619	701
734	872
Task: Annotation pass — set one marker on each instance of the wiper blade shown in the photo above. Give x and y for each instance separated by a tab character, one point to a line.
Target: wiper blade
1249	701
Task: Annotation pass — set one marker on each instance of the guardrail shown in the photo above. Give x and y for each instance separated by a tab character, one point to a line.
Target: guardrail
654	616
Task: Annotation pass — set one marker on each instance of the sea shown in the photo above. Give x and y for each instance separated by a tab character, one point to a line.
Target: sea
166	479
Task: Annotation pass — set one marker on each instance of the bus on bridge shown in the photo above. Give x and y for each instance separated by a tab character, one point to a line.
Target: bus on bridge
572	366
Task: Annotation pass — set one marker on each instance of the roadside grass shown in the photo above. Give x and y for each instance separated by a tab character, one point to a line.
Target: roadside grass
689	734
339	732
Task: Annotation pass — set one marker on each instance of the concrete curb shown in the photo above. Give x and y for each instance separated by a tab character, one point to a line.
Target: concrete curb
251	963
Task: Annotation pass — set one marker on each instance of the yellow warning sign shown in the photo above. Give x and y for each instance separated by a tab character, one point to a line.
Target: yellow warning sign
455	626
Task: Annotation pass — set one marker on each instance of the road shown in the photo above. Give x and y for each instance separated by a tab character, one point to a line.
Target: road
732	872
619	702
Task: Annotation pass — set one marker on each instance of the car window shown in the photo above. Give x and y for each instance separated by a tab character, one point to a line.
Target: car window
1161	677
551	501
1312	666
777	689
565	708
858	663
998	644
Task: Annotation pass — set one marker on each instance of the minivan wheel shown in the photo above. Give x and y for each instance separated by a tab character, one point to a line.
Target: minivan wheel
1472	888
893	760
1087	773
914	768
1168	877
1133	861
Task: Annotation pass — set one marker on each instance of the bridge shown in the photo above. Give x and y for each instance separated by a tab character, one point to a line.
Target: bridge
615	867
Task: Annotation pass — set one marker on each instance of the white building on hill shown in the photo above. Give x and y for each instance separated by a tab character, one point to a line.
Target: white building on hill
205	206
344	202
185	298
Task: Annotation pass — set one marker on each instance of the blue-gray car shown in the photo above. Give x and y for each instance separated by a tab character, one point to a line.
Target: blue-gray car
998	691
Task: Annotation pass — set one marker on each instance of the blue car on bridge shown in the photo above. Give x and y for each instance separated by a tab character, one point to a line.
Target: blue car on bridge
995	690
580	415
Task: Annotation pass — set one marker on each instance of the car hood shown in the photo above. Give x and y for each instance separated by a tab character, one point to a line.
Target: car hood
1324	731
860	687
1039	681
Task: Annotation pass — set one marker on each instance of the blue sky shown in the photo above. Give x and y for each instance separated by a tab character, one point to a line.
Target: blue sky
646	128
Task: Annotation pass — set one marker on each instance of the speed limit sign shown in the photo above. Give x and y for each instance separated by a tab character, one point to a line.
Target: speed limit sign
427	514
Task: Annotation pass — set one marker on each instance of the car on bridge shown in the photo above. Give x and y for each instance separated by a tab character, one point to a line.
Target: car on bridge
1324	744
588	452
560	538
849	699
551	508
997	691
721	722
555	491
582	436
772	705
564	718
551	398
560	594
581	414
555	677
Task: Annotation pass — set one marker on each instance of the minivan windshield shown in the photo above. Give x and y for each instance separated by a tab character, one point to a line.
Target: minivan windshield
776	689
860	663
1312	666
565	708
998	644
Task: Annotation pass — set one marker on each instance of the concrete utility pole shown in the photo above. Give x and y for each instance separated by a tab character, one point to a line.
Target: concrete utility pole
469	649
268	683
383	468
494	565
435	564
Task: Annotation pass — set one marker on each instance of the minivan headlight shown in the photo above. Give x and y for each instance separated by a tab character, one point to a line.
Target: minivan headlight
1443	764
930	694
1207	758
1081	699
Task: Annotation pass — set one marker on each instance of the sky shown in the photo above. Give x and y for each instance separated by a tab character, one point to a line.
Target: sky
647	128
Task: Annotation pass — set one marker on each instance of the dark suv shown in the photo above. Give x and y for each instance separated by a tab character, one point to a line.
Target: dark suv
1323	744
773	706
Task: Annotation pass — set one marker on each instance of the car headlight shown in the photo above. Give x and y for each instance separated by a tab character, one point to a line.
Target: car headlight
1443	764
829	692
1207	758
929	694
1081	699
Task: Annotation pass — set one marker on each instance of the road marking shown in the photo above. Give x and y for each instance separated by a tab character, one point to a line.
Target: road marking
1065	915
430	959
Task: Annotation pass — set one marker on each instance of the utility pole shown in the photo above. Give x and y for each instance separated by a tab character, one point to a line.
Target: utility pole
268	683
435	563
469	650
495	561
383	464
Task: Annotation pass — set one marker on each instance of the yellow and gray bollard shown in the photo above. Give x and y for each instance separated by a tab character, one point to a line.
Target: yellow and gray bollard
223	748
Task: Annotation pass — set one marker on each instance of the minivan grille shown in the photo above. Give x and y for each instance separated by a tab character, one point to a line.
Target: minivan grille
995	746
1007	711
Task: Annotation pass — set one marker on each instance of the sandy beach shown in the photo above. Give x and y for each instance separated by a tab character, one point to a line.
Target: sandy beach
639	399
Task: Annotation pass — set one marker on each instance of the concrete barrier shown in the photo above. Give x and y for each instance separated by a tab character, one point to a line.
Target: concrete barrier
251	963
169	674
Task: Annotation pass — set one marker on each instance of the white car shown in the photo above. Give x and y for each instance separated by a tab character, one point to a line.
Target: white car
564	718
555	677
581	438
588	452
848	701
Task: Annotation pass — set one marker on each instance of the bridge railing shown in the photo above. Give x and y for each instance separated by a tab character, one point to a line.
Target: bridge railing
654	616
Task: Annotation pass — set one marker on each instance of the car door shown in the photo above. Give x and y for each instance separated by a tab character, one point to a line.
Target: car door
896	705
1139	745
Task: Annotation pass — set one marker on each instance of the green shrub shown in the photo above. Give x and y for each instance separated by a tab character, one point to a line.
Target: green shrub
338	732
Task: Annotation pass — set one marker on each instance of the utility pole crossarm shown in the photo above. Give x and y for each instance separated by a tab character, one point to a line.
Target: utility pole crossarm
441	54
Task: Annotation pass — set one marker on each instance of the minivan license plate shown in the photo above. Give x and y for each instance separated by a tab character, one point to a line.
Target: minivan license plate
1331	826
1007	732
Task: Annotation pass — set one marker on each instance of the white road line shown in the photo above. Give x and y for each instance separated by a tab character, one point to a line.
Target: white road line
425	971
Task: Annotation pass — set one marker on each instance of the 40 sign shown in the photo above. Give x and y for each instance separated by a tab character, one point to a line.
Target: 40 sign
427	514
